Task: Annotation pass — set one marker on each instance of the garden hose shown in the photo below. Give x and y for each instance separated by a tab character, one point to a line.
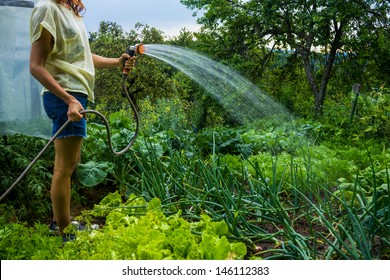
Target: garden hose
132	50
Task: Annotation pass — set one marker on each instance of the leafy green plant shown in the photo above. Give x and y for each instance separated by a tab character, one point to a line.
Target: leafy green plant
92	173
31	197
373	114
133	230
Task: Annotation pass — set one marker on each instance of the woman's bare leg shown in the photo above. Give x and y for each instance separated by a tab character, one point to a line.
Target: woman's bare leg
67	155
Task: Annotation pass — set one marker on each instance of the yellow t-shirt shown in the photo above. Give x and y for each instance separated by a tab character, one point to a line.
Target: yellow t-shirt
70	61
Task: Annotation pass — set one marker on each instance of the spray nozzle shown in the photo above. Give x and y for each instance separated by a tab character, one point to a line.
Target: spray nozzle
136	49
133	51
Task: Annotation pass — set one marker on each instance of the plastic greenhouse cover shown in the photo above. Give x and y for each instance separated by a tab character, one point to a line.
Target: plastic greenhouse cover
21	110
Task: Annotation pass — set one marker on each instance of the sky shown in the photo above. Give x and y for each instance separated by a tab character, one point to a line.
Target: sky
169	16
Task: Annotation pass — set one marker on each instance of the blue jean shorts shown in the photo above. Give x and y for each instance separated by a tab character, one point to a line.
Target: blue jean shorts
56	109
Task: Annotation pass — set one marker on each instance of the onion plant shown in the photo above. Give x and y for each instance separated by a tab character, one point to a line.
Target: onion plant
305	220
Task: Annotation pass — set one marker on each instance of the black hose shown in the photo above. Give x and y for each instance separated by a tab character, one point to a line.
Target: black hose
131	142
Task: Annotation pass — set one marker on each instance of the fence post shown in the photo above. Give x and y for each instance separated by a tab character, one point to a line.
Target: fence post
355	89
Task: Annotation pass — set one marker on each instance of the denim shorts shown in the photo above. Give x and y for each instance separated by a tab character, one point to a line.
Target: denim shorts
56	109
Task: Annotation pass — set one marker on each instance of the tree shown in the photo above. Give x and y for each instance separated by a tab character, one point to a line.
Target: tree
185	38
308	27
109	41
149	35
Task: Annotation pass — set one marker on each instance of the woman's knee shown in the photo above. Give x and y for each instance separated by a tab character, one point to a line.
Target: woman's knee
67	156
64	170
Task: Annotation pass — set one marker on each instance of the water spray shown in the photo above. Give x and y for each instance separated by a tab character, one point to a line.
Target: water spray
132	51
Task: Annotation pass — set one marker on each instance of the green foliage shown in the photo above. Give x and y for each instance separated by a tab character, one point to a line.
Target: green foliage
359	117
19	242
261	185
373	115
364	205
93	173
166	114
31	197
150	235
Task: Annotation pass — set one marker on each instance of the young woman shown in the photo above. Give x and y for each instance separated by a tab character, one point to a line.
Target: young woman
61	60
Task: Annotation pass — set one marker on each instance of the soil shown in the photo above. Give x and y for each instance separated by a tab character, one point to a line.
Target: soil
90	197
266	248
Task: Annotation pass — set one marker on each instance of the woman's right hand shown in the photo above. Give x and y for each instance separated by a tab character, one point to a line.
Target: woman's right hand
74	109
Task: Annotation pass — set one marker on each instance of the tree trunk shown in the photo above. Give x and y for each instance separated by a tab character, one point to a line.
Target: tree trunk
318	97
335	45
319	92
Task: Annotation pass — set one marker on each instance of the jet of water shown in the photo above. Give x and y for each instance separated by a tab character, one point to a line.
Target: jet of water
239	96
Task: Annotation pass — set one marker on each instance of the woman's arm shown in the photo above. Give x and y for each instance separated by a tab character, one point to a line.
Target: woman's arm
104	62
40	50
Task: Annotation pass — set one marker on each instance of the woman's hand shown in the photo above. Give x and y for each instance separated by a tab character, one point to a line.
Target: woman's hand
74	109
127	62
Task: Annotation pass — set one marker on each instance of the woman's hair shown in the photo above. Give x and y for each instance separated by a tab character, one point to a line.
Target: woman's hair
76	5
